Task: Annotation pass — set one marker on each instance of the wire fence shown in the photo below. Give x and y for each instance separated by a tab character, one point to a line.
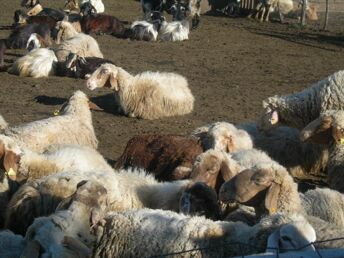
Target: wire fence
278	251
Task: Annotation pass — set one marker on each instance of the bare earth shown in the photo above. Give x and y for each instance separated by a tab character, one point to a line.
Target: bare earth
231	65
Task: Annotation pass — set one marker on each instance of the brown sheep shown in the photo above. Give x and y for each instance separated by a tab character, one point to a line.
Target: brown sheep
168	157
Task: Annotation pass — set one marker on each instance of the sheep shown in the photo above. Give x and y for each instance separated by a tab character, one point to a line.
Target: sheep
143	30
194	7
149	95
72	126
299	109
304	161
97	4
102	23
19	36
22	18
328	129
36	41
37	63
28	165
74	217
269	189
174	31
12	246
130	234
81	67
127	189
74	42
168	157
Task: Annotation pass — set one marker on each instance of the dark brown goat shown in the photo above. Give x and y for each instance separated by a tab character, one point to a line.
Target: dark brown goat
102	24
168	157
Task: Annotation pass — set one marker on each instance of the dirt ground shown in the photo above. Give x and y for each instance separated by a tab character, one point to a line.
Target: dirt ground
231	65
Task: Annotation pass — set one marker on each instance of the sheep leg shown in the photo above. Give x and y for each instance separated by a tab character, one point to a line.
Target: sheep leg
31	250
195	21
181	172
268	10
281	17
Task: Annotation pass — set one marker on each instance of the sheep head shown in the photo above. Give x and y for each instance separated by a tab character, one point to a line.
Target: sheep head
104	76
198	199
10	157
65	30
268	119
253	187
327	128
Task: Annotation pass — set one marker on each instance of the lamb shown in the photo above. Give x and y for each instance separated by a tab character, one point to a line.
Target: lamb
179	233
149	95
74	217
74	42
72	126
328	129
37	63
269	189
27	165
97	4
304	161
132	189
299	109
174	31
82	67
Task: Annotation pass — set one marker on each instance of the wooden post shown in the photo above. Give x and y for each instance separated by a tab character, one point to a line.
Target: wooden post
326	15
304	10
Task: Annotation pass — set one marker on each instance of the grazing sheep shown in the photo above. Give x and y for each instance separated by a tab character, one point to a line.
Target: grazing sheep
304	161
70	41
28	165
72	126
37	63
74	217
299	109
132	189
20	35
36	41
149	95
102	23
131	234
12	245
96	4
174	31
79	67
328	129
168	157
269	189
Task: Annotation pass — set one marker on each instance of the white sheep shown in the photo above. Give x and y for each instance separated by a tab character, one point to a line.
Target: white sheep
299	109
97	4
149	233
37	63
132	189
71	41
174	31
149	95
72	126
273	190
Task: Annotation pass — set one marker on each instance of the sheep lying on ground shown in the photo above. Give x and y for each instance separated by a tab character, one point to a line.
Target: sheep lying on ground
126	190
304	161
72	126
71	41
28	165
149	95
37	63
131	234
328	129
269	189
299	109
74	217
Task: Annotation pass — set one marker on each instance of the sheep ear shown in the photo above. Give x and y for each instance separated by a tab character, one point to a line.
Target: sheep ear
11	161
318	131
113	81
271	198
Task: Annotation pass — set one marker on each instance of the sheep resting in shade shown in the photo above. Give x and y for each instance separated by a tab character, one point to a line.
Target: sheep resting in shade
149	95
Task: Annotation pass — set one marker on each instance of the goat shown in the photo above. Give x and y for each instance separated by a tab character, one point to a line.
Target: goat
102	24
149	6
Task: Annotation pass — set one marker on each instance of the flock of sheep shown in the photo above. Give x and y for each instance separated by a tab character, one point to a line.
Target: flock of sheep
223	190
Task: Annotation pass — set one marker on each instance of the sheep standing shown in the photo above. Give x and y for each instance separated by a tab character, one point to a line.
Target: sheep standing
37	63
74	42
131	234
299	109
72	126
149	95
